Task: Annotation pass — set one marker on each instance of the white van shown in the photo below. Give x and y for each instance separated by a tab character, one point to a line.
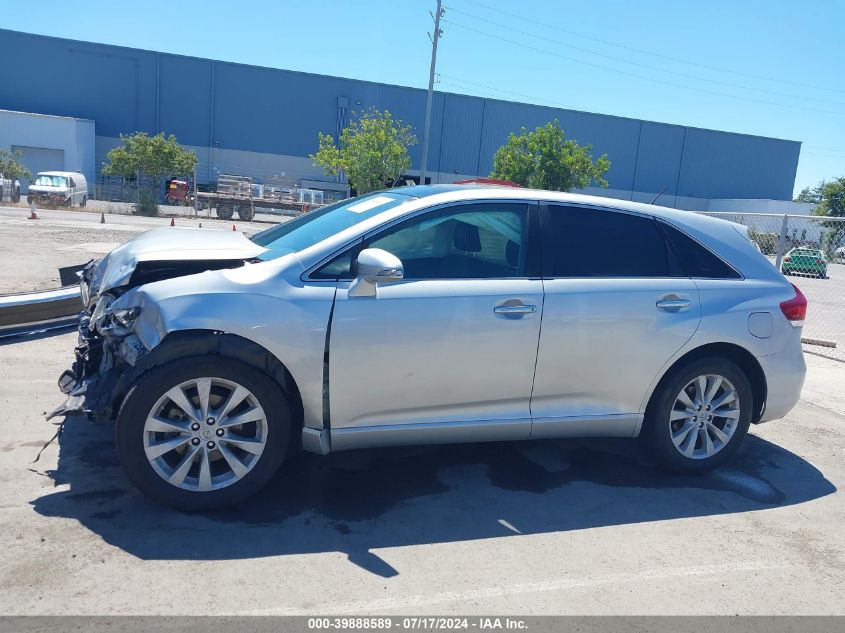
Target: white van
61	188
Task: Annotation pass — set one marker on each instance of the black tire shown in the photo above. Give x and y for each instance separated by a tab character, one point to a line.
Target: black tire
246	212
656	427
225	211
129	431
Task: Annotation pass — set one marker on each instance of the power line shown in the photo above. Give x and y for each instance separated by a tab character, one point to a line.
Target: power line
488	92
638	76
653	54
641	65
826	149
839	156
501	90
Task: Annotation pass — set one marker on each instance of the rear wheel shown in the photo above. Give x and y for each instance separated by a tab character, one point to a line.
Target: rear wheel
699	415
201	433
246	212
225	211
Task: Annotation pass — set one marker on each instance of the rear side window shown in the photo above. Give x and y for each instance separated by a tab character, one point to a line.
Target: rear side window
584	242
697	260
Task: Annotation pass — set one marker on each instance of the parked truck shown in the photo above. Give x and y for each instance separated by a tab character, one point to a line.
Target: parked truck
239	194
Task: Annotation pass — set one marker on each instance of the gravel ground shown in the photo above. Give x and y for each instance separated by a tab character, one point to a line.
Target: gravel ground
32	251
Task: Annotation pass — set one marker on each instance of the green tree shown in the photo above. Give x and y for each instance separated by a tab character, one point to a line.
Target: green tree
373	151
545	159
831	203
832	197
155	157
813	195
10	165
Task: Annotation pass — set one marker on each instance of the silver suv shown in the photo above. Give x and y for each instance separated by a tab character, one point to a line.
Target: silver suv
431	315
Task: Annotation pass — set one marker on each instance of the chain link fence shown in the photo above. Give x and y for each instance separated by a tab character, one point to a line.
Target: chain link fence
810	251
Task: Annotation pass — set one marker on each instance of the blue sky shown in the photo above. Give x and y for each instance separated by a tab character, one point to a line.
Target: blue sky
767	67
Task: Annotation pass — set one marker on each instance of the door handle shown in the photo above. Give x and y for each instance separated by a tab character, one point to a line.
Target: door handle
673	304
517	309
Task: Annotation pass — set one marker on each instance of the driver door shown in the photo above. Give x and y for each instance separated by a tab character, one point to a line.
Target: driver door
447	353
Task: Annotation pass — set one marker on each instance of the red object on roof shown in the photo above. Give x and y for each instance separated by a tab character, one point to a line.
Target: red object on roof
487	181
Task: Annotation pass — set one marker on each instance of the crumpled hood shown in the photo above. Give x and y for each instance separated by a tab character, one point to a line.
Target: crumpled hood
171	244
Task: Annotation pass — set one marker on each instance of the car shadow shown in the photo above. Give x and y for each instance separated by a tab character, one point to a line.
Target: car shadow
361	501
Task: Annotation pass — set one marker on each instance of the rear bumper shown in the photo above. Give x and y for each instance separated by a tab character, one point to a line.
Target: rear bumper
785	372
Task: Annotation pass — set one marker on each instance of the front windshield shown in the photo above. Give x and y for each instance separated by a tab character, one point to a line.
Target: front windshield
51	181
314	227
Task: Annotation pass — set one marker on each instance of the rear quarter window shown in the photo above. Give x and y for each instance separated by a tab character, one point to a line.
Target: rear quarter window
697	260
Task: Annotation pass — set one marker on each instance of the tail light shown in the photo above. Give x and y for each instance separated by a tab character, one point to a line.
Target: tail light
795	309
787	259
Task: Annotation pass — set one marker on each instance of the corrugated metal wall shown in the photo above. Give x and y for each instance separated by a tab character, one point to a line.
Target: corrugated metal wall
211	104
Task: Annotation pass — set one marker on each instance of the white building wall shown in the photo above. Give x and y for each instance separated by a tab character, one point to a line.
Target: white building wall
75	137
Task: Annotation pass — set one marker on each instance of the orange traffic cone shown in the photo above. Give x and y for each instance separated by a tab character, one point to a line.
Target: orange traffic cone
102	217
233	228
172	221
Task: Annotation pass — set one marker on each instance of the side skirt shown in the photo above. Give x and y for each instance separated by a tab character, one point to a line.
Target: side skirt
325	441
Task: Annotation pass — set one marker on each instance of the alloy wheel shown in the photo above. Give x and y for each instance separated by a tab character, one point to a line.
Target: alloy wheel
704	417
205	434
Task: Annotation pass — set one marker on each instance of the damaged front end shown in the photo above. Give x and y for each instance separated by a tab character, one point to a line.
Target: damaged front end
108	350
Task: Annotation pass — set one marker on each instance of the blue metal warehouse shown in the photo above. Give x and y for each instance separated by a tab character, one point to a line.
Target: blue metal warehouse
264	122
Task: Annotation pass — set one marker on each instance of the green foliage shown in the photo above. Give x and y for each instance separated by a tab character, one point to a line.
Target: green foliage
545	159
813	195
768	242
10	165
373	151
832	198
829	198
153	156
146	204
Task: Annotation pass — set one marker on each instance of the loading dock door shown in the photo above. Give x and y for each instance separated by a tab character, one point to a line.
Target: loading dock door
37	159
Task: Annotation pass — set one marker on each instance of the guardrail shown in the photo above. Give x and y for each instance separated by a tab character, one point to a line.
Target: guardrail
41	310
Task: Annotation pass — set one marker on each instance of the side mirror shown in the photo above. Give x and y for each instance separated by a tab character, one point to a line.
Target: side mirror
375	266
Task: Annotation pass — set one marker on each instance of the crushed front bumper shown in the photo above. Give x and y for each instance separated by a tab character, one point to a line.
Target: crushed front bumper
91	382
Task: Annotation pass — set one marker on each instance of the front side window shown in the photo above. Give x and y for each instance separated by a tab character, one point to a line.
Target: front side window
585	242
473	241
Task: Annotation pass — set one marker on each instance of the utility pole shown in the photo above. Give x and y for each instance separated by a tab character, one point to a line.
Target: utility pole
427	128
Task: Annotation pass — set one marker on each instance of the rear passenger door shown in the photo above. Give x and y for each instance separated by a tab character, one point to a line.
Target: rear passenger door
617	307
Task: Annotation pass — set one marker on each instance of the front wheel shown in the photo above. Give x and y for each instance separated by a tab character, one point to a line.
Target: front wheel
202	433
699	415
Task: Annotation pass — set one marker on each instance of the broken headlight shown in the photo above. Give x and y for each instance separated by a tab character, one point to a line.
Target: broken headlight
125	317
